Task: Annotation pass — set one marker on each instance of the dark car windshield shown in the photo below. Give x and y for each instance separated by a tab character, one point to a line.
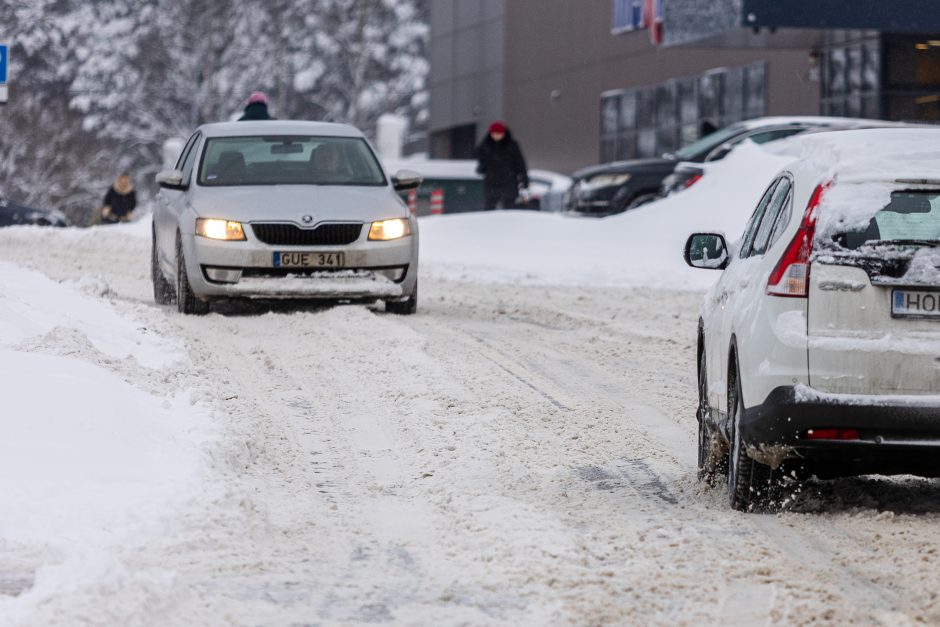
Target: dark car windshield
698	150
289	160
912	217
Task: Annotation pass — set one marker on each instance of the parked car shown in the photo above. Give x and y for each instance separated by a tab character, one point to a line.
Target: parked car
615	187
283	210
818	346
12	213
462	187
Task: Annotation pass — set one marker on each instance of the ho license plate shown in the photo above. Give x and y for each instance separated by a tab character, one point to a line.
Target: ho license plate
915	304
308	260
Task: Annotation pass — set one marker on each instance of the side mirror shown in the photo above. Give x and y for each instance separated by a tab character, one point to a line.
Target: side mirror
405	180
170	179
708	251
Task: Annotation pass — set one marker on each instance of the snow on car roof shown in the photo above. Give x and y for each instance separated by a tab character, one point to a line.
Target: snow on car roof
814	120
279	127
884	154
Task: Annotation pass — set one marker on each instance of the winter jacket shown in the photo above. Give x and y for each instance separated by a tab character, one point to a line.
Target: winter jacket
256	111
121	204
501	163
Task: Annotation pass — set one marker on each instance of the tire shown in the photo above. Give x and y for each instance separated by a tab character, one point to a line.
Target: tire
186	301
642	199
406	307
750	484
163	293
712	453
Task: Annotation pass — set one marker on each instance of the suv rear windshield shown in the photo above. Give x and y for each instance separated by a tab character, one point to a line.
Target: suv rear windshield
289	160
912	217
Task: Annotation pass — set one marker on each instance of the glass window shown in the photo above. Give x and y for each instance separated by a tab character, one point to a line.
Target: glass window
767	223
289	160
698	150
189	162
610	109
909	216
751	229
628	111
185	152
755	91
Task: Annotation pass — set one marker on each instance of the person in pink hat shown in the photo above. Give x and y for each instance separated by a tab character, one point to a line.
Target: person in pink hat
256	107
500	161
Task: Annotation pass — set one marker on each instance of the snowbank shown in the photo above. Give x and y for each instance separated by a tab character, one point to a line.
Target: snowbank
640	248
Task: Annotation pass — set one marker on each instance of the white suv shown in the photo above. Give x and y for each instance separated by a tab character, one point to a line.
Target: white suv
819	346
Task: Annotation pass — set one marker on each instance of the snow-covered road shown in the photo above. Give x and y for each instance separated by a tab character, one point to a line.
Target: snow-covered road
510	455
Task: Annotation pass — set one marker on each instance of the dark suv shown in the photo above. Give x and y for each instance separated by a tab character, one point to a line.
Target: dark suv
614	187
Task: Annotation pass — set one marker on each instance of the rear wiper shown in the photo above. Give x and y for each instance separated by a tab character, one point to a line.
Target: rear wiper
903	242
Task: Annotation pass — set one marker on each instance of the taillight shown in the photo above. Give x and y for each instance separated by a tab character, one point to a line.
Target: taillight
791	274
832	434
692	181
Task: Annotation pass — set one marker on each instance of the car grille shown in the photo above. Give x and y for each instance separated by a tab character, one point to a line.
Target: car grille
292	235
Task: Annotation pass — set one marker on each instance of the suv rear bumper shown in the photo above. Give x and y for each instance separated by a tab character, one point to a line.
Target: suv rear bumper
895	436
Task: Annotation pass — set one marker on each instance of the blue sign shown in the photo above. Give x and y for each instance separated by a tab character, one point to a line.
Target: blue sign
4	51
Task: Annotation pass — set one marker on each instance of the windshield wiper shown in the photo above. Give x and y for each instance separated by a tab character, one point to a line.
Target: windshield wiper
903	242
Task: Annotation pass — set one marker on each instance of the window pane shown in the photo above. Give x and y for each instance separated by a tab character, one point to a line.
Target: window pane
628	111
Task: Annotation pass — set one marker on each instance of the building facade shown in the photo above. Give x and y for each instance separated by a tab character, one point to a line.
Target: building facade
583	82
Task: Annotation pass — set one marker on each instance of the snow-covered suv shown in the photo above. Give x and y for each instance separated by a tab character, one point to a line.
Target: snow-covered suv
819	345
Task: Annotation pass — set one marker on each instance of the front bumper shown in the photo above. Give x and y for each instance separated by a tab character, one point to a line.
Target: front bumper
896	436
376	270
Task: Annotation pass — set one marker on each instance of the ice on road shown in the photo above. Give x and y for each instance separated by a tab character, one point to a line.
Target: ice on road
510	455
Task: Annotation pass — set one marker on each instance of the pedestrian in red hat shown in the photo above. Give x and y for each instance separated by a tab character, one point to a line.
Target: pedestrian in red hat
500	161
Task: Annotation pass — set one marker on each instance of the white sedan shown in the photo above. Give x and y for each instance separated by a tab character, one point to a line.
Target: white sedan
283	210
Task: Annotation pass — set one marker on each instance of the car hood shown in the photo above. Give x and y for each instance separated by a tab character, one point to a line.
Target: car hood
291	203
624	167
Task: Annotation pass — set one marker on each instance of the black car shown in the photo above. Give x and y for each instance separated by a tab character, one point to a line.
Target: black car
614	187
12	214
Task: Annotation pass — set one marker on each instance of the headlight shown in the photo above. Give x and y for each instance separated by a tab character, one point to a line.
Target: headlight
389	229
213	228
605	180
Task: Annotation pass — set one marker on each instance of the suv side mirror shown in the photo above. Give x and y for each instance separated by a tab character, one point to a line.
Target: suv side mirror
170	179
708	251
405	180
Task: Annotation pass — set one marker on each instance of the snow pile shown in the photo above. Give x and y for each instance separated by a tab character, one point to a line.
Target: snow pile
639	248
88	461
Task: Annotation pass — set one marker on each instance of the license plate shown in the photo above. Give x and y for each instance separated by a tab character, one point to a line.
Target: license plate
915	304
309	260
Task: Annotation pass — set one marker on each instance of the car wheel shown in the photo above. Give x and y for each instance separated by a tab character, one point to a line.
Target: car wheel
642	199
749	482
163	293
712	454
404	307
186	301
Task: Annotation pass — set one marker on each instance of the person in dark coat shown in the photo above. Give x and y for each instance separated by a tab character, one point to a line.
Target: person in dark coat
500	161
120	201
256	108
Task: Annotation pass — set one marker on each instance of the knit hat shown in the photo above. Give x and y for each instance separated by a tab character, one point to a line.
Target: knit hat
497	127
257	97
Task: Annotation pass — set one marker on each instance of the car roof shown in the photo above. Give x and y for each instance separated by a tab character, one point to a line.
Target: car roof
813	120
278	127
885	154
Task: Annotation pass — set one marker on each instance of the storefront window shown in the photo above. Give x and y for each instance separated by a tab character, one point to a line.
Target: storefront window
650	121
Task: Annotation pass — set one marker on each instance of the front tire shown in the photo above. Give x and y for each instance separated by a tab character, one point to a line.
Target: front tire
749	483
163	293
712	454
186	301
406	307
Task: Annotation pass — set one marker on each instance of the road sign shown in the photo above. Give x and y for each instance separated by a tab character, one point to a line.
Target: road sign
4	51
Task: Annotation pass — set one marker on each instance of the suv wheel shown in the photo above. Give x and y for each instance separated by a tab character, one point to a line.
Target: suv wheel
749	482
186	301
163	293
712	454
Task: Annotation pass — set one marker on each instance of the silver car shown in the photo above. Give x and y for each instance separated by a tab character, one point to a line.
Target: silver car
283	210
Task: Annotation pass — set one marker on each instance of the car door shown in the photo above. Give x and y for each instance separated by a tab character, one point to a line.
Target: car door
726	296
173	202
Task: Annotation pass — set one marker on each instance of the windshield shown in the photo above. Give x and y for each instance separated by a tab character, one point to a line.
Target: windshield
911	217
698	150
289	160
